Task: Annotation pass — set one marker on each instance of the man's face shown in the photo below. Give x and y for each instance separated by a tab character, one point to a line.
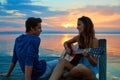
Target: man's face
37	30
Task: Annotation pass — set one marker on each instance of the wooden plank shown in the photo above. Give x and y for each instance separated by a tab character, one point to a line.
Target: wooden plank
102	60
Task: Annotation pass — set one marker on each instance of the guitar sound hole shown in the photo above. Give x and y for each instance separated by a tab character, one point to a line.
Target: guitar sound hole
76	59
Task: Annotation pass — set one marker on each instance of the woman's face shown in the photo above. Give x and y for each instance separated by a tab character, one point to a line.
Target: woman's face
80	26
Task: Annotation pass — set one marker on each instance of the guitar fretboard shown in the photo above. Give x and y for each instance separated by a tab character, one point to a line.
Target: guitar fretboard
97	51
80	51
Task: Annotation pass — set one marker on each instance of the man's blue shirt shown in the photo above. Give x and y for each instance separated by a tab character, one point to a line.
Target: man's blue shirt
26	51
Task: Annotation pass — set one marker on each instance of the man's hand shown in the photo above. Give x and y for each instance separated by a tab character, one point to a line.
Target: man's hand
5	74
12	65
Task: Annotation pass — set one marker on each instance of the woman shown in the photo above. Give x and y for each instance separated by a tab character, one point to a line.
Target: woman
87	67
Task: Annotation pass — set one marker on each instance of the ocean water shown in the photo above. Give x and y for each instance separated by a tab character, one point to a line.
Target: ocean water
52	45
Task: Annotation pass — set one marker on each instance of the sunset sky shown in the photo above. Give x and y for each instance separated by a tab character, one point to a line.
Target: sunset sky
60	15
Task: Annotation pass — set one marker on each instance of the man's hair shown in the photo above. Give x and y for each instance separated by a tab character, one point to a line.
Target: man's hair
32	22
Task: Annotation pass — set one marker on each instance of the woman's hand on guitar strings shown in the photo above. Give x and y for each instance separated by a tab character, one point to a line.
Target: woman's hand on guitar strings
86	54
68	50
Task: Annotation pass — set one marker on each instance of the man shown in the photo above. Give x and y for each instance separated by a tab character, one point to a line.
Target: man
26	51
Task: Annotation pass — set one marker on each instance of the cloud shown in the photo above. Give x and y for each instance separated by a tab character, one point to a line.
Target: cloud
3	2
18	21
27	9
37	12
103	16
10	28
15	12
16	2
10	11
6	24
19	14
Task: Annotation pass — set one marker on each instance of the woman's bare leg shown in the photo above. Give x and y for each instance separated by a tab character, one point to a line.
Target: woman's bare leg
80	71
58	70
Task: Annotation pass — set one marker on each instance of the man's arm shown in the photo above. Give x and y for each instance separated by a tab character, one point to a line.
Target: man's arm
28	72
12	65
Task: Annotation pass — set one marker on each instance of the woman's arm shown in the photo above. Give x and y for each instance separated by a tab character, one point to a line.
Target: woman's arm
12	65
73	40
92	60
67	44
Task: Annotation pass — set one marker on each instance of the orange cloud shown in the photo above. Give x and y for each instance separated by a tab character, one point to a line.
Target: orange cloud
14	21
12	29
102	17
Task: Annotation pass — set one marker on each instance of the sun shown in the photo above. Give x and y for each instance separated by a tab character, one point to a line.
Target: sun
67	25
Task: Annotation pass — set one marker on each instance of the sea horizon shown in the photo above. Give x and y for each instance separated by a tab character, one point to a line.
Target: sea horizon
53	32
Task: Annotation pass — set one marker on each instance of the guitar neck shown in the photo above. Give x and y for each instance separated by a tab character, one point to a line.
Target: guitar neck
97	51
80	51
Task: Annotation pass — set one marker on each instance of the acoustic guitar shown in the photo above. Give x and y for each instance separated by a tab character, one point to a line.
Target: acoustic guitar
74	57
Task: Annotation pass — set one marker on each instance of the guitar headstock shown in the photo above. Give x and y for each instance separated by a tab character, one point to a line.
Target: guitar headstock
96	51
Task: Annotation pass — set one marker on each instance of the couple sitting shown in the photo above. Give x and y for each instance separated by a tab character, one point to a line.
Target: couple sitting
26	51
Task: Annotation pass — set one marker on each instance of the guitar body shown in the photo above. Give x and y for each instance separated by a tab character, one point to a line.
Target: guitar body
72	58
76	59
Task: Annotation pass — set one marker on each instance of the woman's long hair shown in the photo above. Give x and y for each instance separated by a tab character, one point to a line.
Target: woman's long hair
87	36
